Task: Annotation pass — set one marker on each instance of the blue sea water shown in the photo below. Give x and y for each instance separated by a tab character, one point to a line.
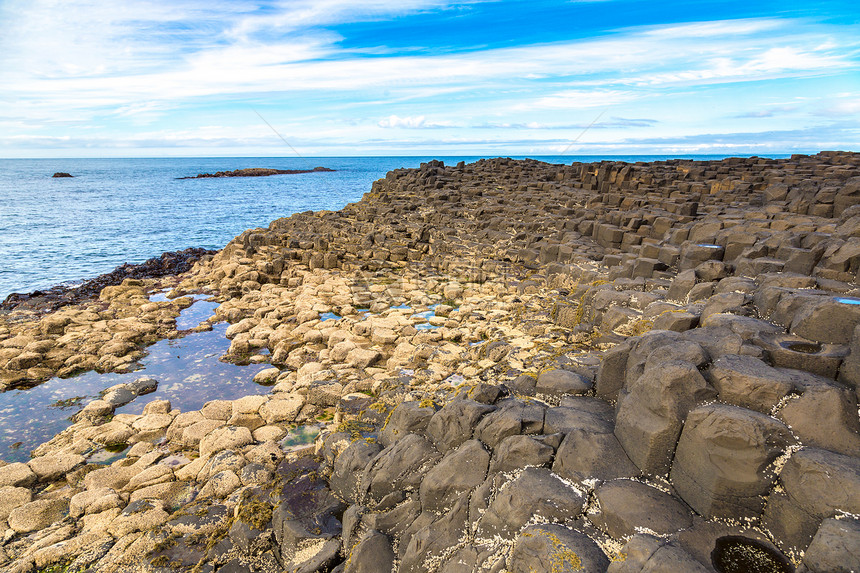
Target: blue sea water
115	211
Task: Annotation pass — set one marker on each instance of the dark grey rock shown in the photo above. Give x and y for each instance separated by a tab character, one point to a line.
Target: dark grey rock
626	505
682	284
372	554
432	541
649	554
683	350
513	416
519	451
746	327
716	341
536	492
824	415
307	509
524	385
348	468
556	548
485	393
849	371
396	520
651	414
611	374
407	418
834	549
143	385
826	320
823	483
795	352
585	455
322	560
560	382
721	465
679	321
398	468
454	477
563	419
748	382
642	348
463	560
454	423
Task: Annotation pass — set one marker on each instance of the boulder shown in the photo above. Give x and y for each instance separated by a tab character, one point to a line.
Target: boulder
515	452
37	514
17	474
12	497
824	415
827	319
54	466
513	416
225	438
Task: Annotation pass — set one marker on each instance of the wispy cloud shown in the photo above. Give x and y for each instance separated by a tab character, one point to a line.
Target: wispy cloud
153	67
413	122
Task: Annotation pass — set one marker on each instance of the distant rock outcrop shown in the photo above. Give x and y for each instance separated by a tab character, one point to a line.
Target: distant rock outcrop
62	174
256	172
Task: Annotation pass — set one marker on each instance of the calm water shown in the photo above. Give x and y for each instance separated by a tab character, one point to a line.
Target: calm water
187	369
128	210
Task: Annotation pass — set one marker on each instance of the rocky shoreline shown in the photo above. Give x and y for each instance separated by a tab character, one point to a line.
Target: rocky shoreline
517	366
259	172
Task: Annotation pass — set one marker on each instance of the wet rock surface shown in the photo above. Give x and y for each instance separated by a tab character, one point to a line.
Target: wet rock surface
501	366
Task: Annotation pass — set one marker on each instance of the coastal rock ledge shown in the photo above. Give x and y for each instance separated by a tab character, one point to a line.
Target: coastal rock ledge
259	172
512	366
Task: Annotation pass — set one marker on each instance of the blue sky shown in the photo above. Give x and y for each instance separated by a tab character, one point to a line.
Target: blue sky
88	78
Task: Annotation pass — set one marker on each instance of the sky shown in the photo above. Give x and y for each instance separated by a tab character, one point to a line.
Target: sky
150	78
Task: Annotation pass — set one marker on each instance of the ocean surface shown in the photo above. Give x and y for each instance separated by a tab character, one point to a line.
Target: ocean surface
114	211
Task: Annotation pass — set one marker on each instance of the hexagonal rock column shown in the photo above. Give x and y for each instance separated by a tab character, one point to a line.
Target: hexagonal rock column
721	462
818	484
651	414
830	320
555	548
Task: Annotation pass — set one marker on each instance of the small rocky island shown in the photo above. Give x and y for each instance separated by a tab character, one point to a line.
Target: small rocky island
258	172
61	174
517	366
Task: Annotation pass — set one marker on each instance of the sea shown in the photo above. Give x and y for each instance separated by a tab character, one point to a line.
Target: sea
112	211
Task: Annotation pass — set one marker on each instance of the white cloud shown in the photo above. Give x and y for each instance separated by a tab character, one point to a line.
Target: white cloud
580	99
83	62
411	122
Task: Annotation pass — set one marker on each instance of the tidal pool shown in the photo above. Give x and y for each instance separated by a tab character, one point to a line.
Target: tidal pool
187	369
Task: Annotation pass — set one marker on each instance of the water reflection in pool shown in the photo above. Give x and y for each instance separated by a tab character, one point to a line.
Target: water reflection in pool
187	369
